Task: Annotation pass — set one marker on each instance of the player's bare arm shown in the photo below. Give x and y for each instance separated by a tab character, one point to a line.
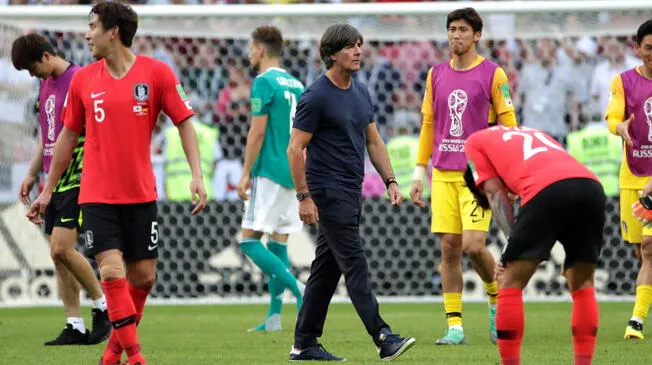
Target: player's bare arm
255	139
380	159
35	166
500	203
61	157
298	142
191	149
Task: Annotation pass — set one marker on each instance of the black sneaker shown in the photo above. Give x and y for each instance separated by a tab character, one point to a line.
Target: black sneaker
393	345
314	353
101	326
69	336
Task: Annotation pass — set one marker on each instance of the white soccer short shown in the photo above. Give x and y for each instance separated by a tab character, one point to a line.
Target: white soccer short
271	208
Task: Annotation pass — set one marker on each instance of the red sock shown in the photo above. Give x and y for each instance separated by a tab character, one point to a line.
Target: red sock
584	323
509	324
139	296
123	317
113	351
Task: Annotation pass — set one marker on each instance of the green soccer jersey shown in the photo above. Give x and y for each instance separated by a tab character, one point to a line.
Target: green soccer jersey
275	93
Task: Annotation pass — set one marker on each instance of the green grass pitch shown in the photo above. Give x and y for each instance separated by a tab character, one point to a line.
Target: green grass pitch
217	334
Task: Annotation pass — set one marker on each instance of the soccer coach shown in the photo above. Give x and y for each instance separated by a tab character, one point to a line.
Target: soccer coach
334	121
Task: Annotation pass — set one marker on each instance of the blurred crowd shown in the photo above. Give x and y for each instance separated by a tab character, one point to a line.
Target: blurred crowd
558	85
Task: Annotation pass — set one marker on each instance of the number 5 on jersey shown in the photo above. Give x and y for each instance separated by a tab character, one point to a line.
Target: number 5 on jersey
98	111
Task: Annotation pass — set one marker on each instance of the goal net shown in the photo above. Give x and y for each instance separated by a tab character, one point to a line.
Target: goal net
206	46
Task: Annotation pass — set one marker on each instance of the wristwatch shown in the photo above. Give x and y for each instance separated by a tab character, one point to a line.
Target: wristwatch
301	196
391	180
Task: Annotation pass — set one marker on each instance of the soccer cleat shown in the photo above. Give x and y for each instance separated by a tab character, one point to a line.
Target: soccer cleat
393	345
314	353
634	330
454	336
69	336
101	326
271	324
493	334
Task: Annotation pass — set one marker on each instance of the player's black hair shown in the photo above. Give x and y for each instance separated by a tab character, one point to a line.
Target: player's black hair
470	183
114	14
335	38
270	37
469	15
29	49
644	30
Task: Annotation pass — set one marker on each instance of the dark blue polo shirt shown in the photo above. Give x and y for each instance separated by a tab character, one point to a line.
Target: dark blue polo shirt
338	120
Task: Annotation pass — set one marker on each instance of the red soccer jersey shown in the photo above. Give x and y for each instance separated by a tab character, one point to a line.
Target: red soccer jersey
119	116
526	159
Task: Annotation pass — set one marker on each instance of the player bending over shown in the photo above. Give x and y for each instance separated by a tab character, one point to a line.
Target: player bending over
561	200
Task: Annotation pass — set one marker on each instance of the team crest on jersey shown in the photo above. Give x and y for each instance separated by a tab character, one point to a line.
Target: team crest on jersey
141	92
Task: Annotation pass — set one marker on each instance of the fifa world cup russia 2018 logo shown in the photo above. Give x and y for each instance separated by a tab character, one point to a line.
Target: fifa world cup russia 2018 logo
457	101
49	115
647	109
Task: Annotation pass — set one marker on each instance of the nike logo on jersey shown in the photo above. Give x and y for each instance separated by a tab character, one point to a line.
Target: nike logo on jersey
64	220
151	247
93	95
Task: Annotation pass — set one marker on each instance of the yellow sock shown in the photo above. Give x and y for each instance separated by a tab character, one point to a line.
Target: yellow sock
492	291
643	300
453	308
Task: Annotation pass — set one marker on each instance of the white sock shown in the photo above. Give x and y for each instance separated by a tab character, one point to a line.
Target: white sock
637	319
77	323
457	326
100	303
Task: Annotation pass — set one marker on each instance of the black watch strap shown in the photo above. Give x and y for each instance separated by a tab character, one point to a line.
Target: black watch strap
390	180
301	196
